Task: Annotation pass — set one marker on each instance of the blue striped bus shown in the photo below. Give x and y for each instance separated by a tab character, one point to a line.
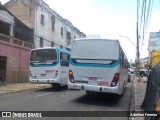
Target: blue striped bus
98	65
49	65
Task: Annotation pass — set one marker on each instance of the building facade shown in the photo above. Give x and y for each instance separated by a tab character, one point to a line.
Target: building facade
50	29
16	41
144	62
154	42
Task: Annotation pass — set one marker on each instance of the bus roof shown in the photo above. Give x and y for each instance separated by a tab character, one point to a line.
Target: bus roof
116	40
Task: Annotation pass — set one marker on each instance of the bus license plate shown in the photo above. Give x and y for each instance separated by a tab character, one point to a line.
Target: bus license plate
92	81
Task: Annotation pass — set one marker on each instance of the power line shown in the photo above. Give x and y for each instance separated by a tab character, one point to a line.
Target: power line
137	33
142	12
146	19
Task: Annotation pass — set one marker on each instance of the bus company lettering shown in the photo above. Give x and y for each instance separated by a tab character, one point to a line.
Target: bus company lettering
50	71
103	83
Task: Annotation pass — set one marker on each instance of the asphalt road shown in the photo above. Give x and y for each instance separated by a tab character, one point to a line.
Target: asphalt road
50	99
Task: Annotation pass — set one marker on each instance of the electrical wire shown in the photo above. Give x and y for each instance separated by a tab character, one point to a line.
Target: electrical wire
146	20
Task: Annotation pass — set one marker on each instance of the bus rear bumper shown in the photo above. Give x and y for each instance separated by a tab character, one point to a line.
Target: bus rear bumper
43	81
105	89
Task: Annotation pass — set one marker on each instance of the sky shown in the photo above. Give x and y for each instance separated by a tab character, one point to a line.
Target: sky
107	18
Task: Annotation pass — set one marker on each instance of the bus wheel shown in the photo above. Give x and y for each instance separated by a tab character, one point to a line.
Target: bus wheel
122	93
55	85
123	90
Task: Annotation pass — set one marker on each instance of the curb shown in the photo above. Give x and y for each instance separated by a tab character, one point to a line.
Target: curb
136	94
11	88
132	99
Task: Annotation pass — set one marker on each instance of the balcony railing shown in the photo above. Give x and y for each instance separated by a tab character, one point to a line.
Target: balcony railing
29	45
4	38
18	42
15	41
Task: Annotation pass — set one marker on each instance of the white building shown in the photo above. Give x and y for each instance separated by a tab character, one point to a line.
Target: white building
144	62
50	29
154	42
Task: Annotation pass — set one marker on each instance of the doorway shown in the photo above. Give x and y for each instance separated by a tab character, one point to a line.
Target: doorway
3	64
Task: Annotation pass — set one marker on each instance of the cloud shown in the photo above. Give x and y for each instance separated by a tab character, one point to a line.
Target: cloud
154	22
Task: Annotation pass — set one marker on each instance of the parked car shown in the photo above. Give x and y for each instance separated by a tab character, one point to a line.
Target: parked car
131	75
137	72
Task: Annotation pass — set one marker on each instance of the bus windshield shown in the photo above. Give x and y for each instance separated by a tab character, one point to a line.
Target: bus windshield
43	56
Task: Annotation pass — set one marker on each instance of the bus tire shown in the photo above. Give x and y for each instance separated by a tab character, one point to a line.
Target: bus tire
123	90
121	95
90	92
55	85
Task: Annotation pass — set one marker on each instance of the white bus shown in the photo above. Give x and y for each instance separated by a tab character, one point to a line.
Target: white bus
49	66
98	65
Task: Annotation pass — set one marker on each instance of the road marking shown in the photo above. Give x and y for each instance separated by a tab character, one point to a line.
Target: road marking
43	94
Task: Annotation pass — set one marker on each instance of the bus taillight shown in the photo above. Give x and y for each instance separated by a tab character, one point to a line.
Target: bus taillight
56	72
71	77
115	80
30	73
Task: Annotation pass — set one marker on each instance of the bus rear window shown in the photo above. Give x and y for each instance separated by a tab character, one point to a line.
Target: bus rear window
43	56
95	49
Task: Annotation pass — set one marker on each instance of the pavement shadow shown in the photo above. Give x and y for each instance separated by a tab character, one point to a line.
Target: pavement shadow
100	99
53	89
104	99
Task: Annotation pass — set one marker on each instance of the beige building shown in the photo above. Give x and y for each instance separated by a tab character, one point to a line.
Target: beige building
50	29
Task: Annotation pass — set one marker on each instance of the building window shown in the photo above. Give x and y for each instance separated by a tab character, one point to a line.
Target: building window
42	19
52	44
41	41
61	31
53	22
68	38
74	37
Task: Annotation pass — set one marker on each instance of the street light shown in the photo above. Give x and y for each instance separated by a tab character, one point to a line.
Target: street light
137	59
127	39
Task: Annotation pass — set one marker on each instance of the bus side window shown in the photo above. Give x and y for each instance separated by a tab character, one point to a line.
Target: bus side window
121	58
122	62
68	60
64	59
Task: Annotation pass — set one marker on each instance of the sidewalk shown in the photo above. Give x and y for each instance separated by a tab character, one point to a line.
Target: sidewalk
138	93
20	87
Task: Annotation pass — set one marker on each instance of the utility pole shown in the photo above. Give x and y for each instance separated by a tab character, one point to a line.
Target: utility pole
137	33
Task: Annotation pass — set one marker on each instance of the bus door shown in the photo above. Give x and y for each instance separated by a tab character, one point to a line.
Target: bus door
63	71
